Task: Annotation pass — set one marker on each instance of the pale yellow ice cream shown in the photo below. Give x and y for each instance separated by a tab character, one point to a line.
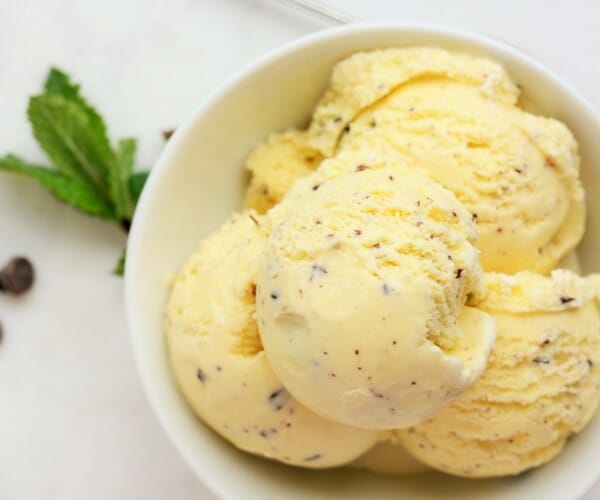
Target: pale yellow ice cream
516	172
542	384
275	165
417	173
456	118
363	79
361	297
219	364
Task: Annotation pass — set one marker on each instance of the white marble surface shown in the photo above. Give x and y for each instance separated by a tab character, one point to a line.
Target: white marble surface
73	420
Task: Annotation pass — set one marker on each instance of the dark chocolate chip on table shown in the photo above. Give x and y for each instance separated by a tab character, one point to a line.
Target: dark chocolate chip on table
168	133
17	276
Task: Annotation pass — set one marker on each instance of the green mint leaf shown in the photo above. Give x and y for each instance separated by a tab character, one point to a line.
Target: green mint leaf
126	149
114	168
119	269
76	147
137	180
118	188
81	196
59	83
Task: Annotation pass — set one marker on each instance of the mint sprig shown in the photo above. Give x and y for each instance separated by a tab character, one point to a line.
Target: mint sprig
87	172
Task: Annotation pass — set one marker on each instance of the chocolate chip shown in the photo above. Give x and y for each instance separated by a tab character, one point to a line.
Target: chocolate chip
277	398
315	270
17	276
564	299
168	133
274	296
541	361
201	375
459	273
376	394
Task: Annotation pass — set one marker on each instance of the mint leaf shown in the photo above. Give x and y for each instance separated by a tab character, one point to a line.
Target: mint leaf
81	196
119	188
114	168
126	149
59	83
76	147
119	269
137	180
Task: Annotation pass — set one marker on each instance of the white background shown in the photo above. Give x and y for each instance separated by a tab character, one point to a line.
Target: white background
74	422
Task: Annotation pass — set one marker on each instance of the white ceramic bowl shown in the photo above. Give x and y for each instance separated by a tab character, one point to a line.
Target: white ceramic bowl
198	182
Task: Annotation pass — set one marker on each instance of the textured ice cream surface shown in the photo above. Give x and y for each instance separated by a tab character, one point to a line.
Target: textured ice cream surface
542	384
364	78
518	173
455	117
526	291
275	164
361	296
221	369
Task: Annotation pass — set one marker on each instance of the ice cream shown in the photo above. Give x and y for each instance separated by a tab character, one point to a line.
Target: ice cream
455	117
275	165
219	364
389	457
354	323
542	384
361	297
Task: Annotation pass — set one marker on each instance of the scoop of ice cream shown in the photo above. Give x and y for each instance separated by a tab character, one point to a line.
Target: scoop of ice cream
275	165
542	384
220	366
455	118
364	78
518	173
361	294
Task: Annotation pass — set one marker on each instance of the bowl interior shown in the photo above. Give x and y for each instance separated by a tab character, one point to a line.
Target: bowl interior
198	182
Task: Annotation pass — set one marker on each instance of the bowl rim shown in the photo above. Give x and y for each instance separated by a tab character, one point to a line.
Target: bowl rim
485	42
